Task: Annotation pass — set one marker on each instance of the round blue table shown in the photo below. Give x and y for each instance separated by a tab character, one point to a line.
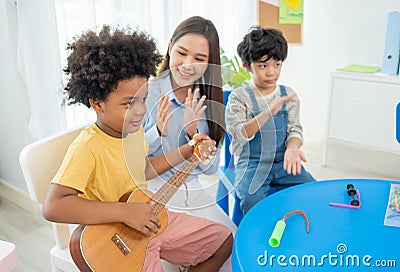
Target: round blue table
340	239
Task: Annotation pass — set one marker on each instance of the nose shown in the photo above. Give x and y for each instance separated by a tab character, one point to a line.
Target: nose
270	71
140	109
188	61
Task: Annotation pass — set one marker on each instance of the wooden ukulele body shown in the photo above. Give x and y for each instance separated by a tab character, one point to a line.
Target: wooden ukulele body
113	246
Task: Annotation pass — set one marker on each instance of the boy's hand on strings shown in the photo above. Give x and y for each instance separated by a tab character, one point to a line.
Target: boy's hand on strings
163	116
140	217
292	160
193	111
276	107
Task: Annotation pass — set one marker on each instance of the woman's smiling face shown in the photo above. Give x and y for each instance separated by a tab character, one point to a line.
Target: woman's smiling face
188	59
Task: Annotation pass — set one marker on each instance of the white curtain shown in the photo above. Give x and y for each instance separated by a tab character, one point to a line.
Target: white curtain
39	65
158	18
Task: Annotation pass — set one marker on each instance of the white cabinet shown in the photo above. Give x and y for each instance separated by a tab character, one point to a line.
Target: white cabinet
362	111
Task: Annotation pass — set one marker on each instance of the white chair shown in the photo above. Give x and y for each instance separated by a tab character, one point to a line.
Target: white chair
8	256
39	162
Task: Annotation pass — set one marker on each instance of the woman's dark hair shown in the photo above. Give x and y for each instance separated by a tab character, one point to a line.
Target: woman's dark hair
259	42
98	63
211	82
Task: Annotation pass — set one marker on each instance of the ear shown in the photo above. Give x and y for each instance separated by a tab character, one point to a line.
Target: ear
96	105
245	67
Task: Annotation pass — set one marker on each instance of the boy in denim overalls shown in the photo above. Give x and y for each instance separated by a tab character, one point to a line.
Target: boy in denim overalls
263	119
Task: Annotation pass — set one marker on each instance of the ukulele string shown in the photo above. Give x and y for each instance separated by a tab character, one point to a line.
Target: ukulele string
168	189
159	202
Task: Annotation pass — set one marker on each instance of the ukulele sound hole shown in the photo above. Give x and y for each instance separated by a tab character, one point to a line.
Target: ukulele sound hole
120	244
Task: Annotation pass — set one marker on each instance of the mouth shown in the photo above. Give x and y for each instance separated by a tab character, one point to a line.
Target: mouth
271	81
185	72
135	122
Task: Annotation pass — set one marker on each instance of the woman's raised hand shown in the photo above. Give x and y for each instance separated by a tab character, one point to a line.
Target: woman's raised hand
194	110
163	116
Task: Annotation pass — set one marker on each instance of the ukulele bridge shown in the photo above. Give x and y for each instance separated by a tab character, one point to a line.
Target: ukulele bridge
120	244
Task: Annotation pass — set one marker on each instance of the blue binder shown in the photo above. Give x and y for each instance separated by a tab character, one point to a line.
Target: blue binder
398	123
391	56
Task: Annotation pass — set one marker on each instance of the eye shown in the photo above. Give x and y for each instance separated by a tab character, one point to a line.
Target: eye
181	53
200	59
131	103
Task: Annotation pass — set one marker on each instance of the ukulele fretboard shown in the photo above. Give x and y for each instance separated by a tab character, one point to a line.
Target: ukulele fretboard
168	189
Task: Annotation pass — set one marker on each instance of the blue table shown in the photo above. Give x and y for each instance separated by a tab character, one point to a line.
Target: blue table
340	239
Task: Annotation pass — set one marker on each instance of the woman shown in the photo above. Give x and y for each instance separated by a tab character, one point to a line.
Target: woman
189	82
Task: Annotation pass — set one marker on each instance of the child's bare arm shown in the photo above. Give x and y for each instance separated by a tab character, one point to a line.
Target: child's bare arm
63	205
164	162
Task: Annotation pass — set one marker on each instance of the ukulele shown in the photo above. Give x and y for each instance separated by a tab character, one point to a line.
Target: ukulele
118	247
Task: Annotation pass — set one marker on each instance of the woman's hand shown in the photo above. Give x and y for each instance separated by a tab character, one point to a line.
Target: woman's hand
194	110
162	115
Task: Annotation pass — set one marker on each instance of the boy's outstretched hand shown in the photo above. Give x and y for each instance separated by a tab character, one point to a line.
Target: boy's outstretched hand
163	116
292	160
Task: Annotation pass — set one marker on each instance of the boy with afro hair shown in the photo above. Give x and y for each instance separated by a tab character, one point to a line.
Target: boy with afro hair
109	72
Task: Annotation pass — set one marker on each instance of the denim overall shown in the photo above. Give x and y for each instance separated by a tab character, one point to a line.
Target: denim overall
260	165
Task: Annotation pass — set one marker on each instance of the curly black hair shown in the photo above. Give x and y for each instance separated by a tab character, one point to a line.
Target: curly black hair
98	63
259	42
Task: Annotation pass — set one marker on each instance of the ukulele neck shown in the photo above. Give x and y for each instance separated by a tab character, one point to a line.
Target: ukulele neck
162	196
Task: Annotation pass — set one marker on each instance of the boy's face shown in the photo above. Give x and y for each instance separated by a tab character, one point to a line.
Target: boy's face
265	73
123	110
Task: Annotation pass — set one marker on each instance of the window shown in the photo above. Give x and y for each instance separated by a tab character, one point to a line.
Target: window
158	18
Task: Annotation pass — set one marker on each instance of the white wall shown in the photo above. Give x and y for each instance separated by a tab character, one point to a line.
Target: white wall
335	33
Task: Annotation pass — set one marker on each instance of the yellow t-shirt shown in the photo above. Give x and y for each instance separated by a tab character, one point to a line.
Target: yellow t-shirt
102	167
